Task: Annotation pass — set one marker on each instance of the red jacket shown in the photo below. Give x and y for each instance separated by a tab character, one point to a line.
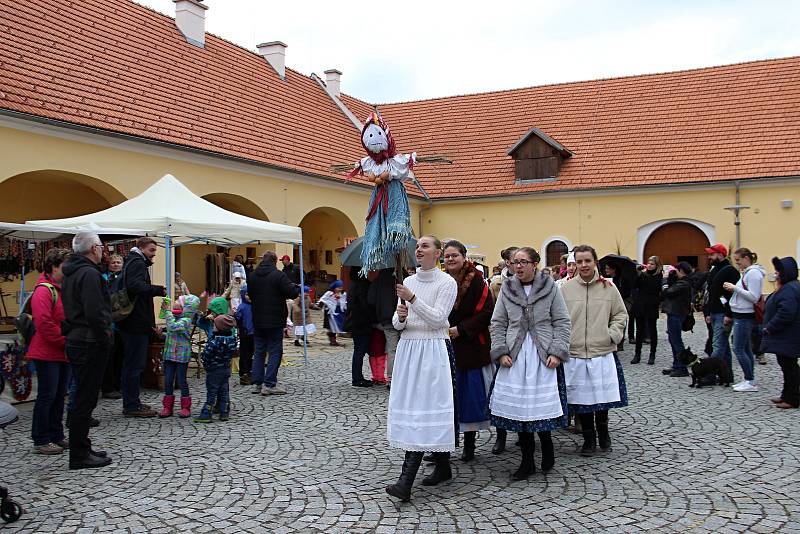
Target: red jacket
47	343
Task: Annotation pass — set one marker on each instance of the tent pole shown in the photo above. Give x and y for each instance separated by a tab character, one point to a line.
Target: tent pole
168	259
303	304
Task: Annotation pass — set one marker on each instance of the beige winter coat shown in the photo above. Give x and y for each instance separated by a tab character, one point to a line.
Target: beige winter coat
598	316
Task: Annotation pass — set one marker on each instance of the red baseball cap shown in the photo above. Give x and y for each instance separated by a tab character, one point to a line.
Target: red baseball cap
719	247
286	257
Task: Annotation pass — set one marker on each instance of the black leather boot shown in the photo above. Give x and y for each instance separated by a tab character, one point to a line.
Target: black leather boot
548	454
402	488
441	470
652	359
603	437
468	454
527	467
500	442
637	357
589	447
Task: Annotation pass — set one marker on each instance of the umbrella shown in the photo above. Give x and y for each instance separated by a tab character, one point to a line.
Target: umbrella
625	266
351	256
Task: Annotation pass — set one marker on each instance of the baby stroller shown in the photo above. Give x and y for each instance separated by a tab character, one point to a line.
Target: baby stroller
9	510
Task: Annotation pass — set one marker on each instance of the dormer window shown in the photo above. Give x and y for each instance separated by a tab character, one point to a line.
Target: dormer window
537	157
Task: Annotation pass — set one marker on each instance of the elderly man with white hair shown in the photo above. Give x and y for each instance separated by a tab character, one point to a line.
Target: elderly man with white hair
87	327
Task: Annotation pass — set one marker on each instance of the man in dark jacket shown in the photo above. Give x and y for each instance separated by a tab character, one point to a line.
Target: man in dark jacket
291	270
358	321
87	328
269	289
718	305
781	332
137	327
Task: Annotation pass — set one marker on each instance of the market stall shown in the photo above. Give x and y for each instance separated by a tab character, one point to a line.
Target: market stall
170	211
22	249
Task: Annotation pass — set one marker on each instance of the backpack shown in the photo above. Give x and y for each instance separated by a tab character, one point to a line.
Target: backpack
121	304
24	320
759	306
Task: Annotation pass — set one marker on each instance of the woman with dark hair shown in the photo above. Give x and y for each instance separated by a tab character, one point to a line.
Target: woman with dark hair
677	293
469	334
530	332
646	300
781	333
422	413
358	321
595	382
47	350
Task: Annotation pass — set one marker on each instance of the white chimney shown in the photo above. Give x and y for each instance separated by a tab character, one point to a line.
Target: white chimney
333	81
275	54
190	18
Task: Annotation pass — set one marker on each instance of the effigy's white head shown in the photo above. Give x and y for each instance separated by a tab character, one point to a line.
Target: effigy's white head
374	139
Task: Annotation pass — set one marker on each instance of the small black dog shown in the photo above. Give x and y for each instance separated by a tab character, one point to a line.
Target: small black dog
705	371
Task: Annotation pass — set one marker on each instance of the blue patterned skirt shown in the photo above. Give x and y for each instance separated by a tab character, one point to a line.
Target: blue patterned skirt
623	396
543	425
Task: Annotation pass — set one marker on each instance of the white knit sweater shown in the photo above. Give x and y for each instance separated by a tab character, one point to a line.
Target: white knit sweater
427	316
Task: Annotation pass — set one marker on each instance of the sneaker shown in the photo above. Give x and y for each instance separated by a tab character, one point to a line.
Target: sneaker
256	389
747	386
47	449
143	411
277	390
739	384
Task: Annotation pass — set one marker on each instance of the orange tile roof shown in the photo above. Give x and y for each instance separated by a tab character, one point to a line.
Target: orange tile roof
121	67
705	125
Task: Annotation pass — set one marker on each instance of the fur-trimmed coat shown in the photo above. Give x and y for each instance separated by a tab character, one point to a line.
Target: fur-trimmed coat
543	313
471	347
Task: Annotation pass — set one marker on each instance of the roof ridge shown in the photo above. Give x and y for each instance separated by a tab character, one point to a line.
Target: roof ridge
588	81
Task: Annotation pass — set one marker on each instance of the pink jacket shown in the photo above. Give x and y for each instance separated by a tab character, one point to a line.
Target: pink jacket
47	343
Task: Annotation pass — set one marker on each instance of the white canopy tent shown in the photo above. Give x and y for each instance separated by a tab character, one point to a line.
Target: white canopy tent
169	210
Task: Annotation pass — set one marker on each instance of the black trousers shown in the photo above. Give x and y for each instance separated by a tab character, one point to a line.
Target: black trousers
112	380
646	326
791	380
247	347
88	366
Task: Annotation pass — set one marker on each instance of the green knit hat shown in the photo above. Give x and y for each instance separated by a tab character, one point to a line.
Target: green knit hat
219	306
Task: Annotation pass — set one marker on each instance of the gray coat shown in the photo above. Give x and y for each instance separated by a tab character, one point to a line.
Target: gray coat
543	313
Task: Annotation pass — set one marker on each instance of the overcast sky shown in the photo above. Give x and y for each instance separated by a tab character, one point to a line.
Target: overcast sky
409	50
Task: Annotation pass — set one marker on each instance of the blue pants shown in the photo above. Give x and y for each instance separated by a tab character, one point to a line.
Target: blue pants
217	390
133	361
48	411
360	346
742	345
268	341
171	370
674	333
721	346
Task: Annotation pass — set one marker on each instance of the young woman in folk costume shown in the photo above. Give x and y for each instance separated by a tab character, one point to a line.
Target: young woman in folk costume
388	230
469	334
422	408
530	331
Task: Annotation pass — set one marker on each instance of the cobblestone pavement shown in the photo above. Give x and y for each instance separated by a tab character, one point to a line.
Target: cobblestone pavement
316	460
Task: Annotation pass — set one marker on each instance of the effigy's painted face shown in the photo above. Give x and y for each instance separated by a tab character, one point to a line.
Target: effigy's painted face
374	139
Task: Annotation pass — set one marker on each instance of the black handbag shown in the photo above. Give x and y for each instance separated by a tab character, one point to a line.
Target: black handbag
688	323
